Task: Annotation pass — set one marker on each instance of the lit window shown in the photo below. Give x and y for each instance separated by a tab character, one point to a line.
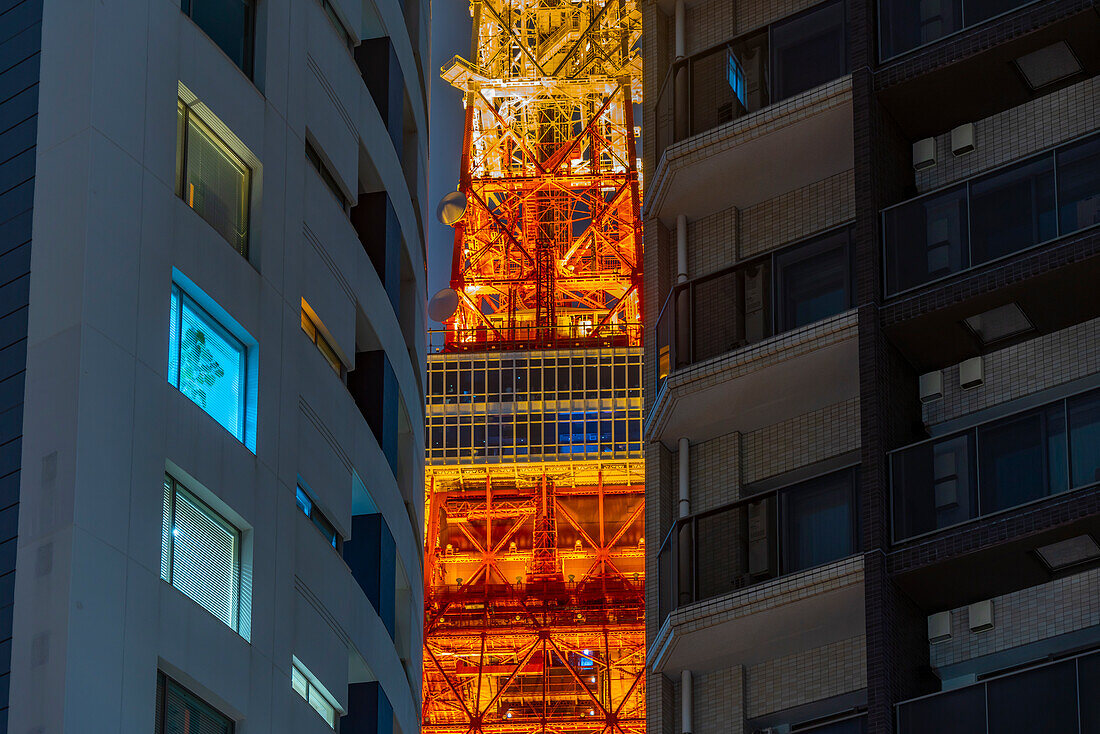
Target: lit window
212	179
228	23
179	710
315	336
207	363
201	554
304	686
305	504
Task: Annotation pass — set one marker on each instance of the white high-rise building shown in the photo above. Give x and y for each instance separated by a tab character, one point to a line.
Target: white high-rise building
211	354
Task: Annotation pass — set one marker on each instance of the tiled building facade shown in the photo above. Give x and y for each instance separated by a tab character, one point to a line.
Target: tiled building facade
873	366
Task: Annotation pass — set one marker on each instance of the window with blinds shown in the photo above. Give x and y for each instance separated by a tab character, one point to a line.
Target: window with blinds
181	712
308	690
207	363
212	179
201	553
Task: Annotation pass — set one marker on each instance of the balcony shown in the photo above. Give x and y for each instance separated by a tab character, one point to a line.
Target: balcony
796	535
740	89
992	216
981	70
732	320
996	466
905	25
1055	697
997	222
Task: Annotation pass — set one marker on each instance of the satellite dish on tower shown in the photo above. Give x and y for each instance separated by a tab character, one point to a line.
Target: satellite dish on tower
443	305
452	208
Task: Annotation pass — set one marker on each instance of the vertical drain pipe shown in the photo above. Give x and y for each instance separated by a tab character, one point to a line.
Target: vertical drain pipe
685	546
680	87
681	248
681	348
686	696
685	498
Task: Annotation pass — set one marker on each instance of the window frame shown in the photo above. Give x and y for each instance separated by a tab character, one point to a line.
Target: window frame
249	67
297	670
322	343
317	517
173	488
183	125
328	178
176	331
164	682
816	246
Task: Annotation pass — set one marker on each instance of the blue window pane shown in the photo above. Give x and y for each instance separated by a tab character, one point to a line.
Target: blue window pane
1079	186
1084	431
206	364
302	500
1012	209
819	522
1022	458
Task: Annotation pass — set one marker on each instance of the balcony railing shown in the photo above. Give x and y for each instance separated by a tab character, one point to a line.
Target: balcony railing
996	466
748	302
905	25
758	538
995	215
750	72
1056	697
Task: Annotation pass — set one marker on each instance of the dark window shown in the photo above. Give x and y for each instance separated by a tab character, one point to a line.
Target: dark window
808	50
813	281
1012	209
934	485
819	521
229	23
1079	185
1022	458
1088	672
976	11
957	712
1044	699
927	239
1084	437
180	711
322	169
906	24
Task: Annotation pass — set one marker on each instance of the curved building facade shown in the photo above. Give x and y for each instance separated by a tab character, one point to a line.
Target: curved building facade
213	350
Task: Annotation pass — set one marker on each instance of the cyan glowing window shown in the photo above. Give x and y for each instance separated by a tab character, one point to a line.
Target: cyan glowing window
207	363
735	75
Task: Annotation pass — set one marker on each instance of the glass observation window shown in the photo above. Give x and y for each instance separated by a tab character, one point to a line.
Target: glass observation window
179	710
905	25
996	466
201	554
228	23
305	687
1079	185
819	520
207	363
212	179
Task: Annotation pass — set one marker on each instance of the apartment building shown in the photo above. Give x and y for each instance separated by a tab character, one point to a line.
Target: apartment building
873	366
212	279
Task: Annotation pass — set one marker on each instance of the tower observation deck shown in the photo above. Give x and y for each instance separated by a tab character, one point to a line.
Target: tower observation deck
534	552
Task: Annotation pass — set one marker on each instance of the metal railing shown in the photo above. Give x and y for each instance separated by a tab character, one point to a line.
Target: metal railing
1059	696
756	539
522	338
992	216
1015	460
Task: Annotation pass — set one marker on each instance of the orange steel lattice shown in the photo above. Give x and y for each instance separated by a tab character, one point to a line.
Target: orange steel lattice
534	613
534	545
548	253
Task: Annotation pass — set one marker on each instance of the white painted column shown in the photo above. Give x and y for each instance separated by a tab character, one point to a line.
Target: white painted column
681	44
685	497
681	248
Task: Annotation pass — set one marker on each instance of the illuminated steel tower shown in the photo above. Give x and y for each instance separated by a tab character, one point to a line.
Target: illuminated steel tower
534	554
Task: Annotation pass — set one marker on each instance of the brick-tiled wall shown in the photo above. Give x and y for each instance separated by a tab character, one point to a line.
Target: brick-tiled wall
708	23
1015	133
1037	613
1021	369
810	675
712	242
797	214
800	441
718	701
714	472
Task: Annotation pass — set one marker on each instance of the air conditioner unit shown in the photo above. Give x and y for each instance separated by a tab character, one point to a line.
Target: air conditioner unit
962	139
759	545
756	316
778	729
971	373
924	153
931	386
